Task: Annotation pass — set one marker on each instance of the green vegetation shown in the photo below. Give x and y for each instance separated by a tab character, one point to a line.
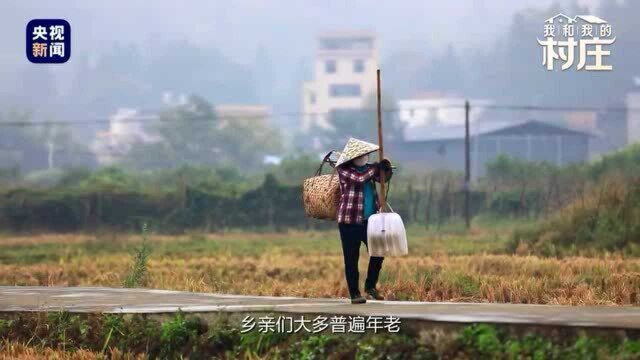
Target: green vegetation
451	238
588	207
603	219
482	341
138	272
212	200
625	163
191	336
113	199
593	207
195	134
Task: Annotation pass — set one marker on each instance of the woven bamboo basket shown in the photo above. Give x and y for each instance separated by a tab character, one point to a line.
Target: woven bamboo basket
321	194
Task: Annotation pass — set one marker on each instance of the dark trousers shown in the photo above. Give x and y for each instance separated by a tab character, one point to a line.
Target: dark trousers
351	235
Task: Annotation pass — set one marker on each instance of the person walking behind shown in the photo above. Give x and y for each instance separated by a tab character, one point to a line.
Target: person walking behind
359	200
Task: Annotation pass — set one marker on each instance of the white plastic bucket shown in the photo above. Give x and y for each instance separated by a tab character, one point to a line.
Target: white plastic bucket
386	235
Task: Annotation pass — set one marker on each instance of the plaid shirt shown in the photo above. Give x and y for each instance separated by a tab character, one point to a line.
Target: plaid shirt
351	207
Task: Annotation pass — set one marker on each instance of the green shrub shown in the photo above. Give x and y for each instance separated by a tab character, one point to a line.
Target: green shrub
222	337
531	347
481	340
113	330
66	330
191	337
392	347
313	348
257	342
137	275
5	326
602	220
630	349
513	203
178	333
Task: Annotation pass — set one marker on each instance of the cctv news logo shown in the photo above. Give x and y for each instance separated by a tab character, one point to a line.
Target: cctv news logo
48	41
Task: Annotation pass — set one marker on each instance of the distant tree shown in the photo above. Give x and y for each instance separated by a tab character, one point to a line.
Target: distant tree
35	89
146	156
245	142
39	147
264	76
182	67
625	54
362	123
61	148
509	172
447	73
137	77
115	79
186	135
17	148
294	169
511	71
193	134
405	73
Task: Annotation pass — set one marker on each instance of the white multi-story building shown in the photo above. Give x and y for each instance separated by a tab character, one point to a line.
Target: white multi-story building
633	113
344	76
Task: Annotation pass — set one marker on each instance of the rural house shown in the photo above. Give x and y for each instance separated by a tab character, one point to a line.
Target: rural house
442	146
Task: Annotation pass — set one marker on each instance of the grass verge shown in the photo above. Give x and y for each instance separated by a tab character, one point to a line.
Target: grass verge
180	336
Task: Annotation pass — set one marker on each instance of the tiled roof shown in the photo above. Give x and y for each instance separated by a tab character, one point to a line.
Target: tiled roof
451	132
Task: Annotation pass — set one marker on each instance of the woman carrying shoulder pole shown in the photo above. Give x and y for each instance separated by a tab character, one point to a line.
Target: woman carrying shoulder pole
359	200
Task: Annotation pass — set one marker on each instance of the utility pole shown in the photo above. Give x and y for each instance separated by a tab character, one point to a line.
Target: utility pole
381	197
467	167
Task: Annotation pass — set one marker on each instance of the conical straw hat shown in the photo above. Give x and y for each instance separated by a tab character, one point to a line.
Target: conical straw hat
354	149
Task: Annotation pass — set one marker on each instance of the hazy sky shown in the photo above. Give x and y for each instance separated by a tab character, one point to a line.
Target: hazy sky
286	28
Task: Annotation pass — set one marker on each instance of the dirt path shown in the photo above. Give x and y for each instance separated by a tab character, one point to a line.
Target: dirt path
113	300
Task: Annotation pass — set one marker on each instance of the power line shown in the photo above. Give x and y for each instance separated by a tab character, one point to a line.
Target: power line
156	118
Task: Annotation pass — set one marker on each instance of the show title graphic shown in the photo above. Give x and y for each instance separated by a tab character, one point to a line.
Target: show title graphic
48	41
587	35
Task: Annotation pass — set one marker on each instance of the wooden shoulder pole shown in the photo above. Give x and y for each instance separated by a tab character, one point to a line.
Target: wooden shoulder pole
381	196
467	165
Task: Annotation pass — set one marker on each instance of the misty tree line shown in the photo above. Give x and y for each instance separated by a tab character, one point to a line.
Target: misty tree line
111	201
216	199
509	70
188	134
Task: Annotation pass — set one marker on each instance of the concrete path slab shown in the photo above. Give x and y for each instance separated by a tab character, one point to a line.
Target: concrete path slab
116	300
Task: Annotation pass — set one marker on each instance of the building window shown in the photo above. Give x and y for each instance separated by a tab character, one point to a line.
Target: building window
358	66
344	90
312	98
330	66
